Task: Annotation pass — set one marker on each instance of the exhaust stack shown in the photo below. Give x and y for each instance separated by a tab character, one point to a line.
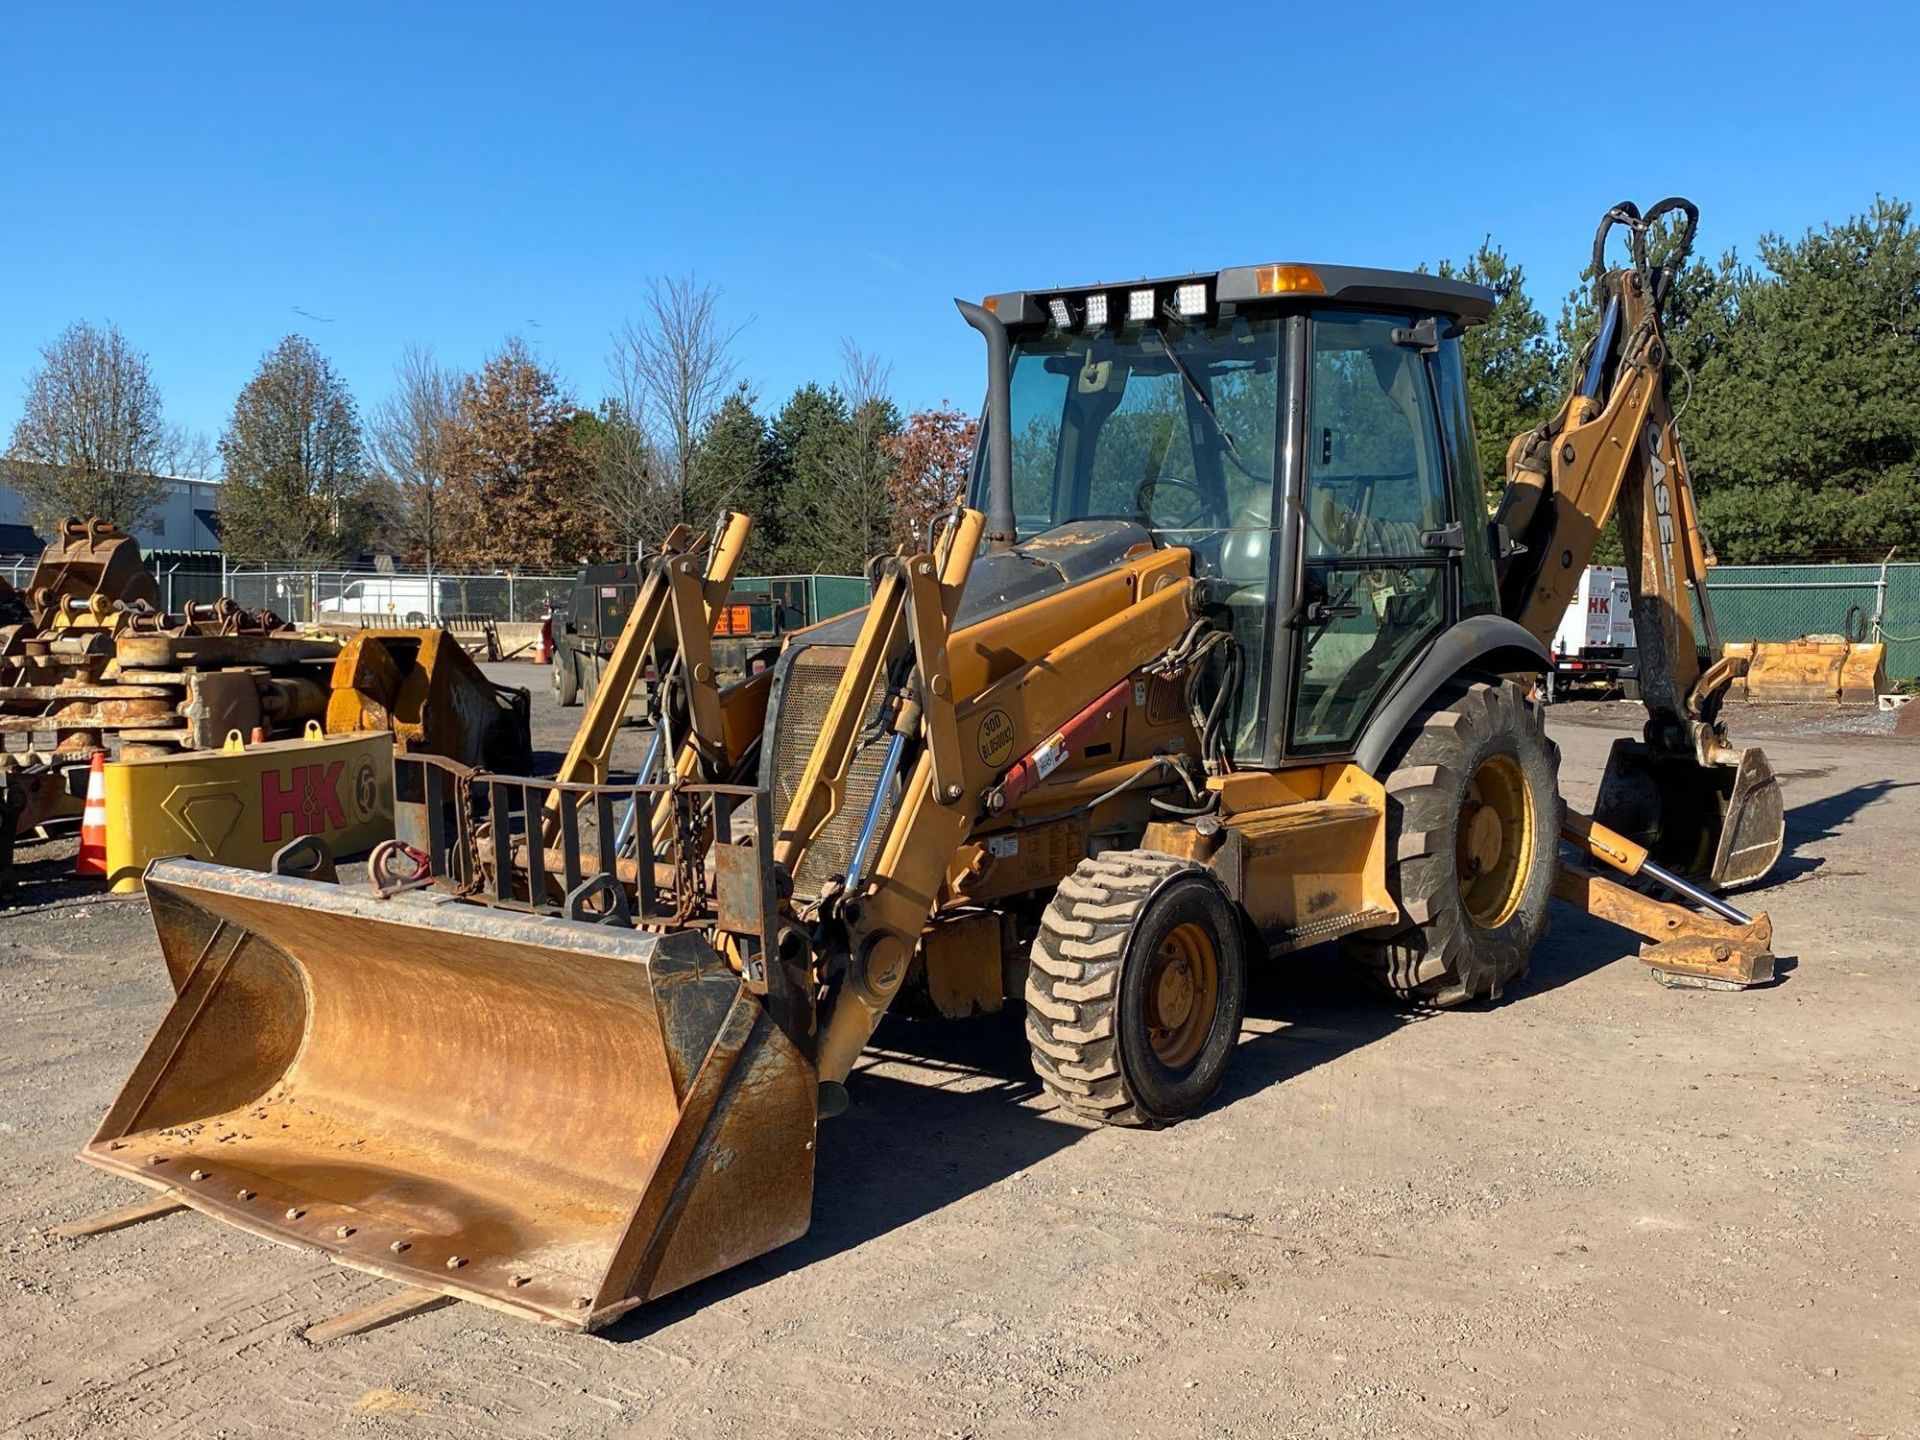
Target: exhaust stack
1002	526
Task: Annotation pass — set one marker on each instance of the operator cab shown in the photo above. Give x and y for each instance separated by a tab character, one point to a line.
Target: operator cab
1304	431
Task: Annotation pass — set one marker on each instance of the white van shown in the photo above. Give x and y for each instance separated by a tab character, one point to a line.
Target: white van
409	600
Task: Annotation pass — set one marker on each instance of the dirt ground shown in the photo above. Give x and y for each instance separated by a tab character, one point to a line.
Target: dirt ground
1597	1207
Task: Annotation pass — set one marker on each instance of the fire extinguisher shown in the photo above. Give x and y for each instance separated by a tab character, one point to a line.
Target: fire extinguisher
543	653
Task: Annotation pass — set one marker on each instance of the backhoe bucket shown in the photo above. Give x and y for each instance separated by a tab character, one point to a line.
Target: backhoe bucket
1722	823
555	1118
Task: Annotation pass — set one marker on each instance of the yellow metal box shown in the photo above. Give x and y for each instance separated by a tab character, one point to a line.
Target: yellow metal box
241	803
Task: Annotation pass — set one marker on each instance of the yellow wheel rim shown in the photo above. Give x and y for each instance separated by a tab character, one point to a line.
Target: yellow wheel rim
1494	841
1183	991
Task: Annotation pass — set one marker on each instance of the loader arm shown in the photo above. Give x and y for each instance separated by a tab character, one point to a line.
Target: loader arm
1701	805
865	931
681	590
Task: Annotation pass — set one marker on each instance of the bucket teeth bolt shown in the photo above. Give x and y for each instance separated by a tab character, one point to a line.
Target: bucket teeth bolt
295	1213
400	1247
197	1175
343	1231
244	1194
518	1281
454	1262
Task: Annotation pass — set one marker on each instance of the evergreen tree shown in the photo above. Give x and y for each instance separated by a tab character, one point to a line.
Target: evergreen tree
1509	360
1804	430
733	468
803	435
297	478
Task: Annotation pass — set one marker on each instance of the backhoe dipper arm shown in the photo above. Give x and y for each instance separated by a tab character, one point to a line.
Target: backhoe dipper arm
1613	443
1701	805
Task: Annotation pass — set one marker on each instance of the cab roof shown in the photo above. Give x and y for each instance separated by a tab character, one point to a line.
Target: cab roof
1255	284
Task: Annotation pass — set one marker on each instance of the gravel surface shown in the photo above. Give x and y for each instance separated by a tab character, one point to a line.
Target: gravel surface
1597	1207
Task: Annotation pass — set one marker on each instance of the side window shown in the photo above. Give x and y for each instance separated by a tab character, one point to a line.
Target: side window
1374	476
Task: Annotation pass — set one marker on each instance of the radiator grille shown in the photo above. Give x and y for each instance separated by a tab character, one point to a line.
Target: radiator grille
813	674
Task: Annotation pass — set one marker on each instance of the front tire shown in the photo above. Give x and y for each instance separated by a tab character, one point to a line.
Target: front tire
1136	989
1473	833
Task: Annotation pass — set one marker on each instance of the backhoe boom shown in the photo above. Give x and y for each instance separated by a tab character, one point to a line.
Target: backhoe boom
1701	805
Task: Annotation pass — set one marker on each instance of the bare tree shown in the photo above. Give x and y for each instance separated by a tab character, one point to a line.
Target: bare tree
855	509
410	434
91	437
185	452
670	371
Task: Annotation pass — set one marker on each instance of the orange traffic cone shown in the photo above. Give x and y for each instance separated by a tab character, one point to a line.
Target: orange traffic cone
92	859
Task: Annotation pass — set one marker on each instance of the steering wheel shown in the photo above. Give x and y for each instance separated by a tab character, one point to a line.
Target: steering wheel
1144	496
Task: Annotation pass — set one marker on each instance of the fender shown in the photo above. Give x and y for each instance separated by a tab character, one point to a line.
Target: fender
1490	644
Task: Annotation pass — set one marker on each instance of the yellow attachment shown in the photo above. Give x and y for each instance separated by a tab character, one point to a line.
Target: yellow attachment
420	685
94	562
962	954
239	804
553	1118
1816	671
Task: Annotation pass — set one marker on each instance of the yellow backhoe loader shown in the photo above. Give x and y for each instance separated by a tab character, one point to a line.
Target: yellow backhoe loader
1223	659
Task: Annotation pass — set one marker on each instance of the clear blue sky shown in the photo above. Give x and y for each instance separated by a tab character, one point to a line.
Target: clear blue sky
451	176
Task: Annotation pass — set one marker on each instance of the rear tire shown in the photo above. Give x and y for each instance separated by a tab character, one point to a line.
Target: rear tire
566	677
1136	989
1473	827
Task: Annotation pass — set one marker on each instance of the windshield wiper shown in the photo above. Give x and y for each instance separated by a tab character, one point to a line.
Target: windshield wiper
1193	386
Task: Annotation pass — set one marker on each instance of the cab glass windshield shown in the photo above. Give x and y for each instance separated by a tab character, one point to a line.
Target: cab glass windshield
1170	425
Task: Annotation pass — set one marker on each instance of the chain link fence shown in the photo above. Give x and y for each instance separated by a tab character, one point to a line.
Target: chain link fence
356	597
360	596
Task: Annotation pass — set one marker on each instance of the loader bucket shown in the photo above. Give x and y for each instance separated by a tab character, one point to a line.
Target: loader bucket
1816	671
1721	823
555	1118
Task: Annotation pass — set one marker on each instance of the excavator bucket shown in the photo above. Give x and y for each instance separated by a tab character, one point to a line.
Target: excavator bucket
556	1118
1723	823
